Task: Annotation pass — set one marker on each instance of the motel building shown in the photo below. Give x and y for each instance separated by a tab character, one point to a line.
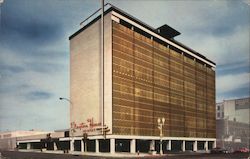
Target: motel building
142	91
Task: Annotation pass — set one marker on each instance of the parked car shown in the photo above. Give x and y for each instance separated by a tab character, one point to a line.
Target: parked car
242	150
219	150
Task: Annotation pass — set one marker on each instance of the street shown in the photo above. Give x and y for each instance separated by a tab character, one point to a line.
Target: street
36	155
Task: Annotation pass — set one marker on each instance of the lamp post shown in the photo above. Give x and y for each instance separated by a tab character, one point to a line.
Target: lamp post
70	130
161	122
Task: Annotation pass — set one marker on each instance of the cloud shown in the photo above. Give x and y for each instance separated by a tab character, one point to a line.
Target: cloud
44	67
38	95
247	2
21	29
234	94
10	69
233	68
231	82
232	86
225	49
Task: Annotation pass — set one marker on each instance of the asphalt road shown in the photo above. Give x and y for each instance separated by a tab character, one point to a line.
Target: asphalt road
35	155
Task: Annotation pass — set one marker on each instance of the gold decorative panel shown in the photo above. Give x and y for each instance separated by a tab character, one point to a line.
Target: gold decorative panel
151	80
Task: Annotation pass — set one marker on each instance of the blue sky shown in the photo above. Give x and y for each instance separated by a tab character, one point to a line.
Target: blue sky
34	50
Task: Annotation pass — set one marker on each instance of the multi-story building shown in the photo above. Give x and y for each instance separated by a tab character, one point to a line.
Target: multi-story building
232	135
234	110
144	74
232	124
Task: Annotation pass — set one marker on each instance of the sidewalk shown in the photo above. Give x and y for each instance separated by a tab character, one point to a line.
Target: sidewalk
100	154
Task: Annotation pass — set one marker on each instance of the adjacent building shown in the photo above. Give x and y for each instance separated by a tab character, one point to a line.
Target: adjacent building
232	135
232	124
234	109
144	74
8	139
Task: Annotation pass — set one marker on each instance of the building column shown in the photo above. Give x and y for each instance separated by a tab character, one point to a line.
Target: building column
183	145
195	146
82	146
72	147
169	145
97	146
112	146
206	145
214	144
132	146
54	145
152	145
28	146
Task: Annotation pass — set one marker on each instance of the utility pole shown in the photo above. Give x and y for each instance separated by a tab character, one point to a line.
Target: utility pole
1	2
102	66
71	131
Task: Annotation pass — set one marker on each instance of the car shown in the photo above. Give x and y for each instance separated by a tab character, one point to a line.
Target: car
219	150
242	150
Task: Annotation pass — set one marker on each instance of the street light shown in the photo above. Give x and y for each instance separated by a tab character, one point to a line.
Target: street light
61	98
161	122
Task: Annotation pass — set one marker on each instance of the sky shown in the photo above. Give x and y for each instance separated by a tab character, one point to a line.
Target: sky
34	50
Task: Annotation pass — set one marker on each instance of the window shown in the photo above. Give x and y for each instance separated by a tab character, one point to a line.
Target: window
218	107
218	115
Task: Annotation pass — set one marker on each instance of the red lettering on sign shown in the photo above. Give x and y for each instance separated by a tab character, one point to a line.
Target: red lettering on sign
90	126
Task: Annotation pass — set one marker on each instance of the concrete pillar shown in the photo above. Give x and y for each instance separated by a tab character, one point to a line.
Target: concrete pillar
132	146
206	145
46	146
55	147
82	146
97	146
152	145
183	146
28	146
112	146
169	145
195	146
72	148
214	144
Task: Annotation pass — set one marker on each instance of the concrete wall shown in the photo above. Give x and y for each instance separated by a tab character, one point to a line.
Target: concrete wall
41	136
7	144
85	74
242	110
8	140
20	133
232	135
243	115
236	109
229	109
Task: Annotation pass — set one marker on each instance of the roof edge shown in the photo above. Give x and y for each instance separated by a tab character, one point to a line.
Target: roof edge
119	11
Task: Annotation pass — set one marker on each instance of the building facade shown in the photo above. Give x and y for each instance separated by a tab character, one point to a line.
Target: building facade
8	140
232	124
146	75
235	110
232	135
